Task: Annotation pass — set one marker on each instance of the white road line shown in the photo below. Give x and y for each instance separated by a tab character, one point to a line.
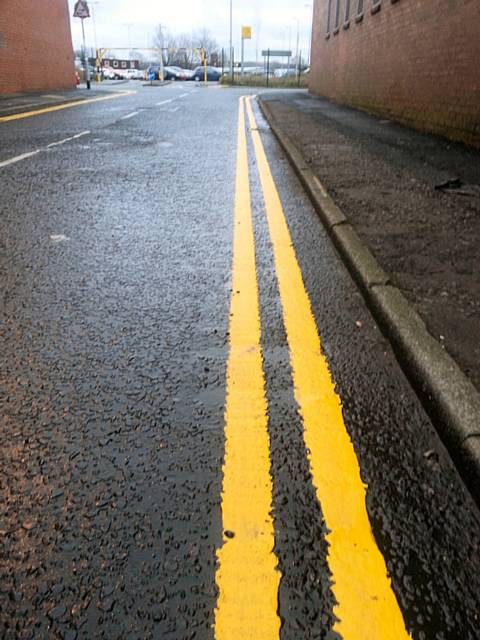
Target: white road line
159	104
183	95
5	163
174	110
78	135
130	115
29	154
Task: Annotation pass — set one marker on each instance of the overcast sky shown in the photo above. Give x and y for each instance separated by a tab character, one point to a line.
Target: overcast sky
274	22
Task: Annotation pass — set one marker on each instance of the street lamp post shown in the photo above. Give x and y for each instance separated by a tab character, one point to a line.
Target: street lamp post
310	31
85	59
129	26
97	60
298	45
231	39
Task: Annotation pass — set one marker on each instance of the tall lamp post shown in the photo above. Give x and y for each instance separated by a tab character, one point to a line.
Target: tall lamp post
97	60
231	39
310	31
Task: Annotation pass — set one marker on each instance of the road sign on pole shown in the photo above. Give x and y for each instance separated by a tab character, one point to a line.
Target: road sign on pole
246	35
81	9
273	53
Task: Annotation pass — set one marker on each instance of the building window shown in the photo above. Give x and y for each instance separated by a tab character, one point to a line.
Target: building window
337	17
329	16
376	5
347	10
359	10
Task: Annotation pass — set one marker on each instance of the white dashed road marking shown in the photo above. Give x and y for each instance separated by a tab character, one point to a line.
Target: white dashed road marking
130	115
29	154
78	135
5	163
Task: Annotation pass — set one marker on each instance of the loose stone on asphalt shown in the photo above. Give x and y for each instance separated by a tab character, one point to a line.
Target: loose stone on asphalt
114	352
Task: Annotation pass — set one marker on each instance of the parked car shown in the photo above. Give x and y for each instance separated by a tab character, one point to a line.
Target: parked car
174	73
213	74
188	74
107	73
177	73
134	74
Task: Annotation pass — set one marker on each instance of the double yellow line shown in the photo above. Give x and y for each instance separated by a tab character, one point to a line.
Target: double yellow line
248	577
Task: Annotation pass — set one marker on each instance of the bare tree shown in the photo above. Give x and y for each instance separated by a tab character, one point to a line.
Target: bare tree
204	40
166	42
184	50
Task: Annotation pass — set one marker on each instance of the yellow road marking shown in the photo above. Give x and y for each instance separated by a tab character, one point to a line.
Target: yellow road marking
366	605
247	577
66	105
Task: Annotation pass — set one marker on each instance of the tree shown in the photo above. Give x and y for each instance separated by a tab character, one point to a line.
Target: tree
184	50
166	42
203	40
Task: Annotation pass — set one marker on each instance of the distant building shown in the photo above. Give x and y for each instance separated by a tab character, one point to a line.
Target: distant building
36	52
416	61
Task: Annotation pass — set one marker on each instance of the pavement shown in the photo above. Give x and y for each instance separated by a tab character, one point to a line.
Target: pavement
204	432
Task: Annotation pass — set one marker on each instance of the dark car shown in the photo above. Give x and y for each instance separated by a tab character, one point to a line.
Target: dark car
212	74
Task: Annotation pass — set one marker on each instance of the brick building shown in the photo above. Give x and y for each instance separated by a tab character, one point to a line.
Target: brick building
416	61
36	52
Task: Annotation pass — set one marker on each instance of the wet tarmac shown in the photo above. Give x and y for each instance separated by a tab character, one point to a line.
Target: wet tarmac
116	260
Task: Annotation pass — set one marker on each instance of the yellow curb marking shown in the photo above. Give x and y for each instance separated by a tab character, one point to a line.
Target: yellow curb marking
366	607
247	577
66	105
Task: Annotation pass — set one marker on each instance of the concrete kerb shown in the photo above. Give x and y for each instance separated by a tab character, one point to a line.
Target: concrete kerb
446	393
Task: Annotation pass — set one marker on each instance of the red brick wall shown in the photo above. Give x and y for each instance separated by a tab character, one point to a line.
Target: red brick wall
416	61
36	51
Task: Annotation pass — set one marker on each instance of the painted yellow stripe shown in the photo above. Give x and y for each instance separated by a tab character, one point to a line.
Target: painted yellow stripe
65	105
366	605
247	577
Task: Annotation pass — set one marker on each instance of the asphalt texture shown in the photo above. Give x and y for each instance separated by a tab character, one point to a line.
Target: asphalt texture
116	254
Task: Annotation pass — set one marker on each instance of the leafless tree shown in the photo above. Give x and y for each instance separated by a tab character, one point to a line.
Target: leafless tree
184	50
165	42
203	39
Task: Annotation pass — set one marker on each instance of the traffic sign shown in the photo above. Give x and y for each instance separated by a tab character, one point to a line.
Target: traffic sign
273	53
81	9
246	33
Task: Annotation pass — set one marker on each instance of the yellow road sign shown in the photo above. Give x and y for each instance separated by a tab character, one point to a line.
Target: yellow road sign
246	33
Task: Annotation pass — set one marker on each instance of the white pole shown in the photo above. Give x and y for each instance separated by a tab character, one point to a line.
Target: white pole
231	39
243	55
162	72
298	39
85	59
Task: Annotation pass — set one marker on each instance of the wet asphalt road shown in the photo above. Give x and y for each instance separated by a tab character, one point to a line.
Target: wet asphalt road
116	265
